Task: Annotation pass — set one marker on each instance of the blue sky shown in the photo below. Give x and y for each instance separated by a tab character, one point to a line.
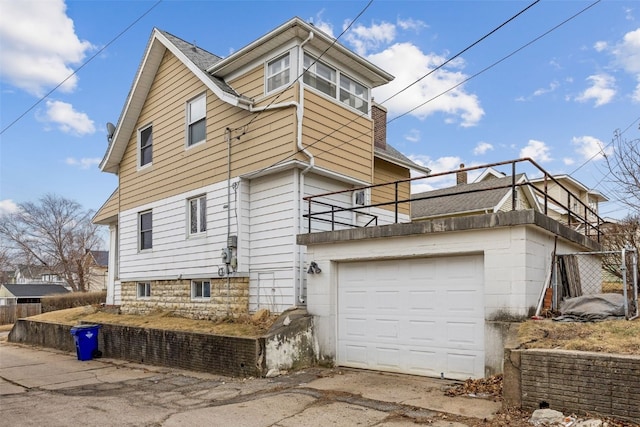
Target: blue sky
558	100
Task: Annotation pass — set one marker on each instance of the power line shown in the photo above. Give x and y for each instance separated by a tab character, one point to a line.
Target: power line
411	84
81	66
310	65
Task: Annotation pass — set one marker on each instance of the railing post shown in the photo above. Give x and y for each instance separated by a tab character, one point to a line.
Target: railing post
309	217
396	189
513	186
333	218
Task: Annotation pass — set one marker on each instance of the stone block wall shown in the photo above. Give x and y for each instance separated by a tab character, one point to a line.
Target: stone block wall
228	299
574	381
215	354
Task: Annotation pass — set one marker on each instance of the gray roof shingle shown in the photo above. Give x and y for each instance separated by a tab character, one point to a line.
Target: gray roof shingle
34	290
477	196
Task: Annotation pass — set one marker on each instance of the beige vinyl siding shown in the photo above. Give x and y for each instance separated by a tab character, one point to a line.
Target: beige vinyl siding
339	139
250	84
174	168
108	212
386	172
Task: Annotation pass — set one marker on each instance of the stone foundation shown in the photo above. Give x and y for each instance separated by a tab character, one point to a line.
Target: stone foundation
228	299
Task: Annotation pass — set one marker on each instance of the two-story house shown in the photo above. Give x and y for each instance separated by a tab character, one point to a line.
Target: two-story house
214	156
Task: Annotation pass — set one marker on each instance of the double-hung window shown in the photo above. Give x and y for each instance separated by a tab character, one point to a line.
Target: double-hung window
354	94
197	120
145	230
144	290
319	76
278	72
145	143
327	80
200	289
197	215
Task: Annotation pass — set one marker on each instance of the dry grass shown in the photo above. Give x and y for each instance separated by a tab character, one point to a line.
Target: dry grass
612	336
242	326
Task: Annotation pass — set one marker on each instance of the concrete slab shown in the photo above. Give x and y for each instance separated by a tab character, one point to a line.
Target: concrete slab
336	413
422	392
264	412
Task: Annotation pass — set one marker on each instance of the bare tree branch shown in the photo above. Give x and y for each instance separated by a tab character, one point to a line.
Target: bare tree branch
55	232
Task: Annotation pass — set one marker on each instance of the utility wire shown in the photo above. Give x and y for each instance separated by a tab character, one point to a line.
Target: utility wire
411	84
310	65
81	66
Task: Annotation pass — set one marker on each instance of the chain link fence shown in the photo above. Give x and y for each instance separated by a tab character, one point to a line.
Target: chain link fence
594	273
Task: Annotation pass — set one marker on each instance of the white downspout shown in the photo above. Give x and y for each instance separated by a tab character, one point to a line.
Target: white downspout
298	194
300	206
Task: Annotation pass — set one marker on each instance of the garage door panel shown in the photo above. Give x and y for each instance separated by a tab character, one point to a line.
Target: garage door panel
417	316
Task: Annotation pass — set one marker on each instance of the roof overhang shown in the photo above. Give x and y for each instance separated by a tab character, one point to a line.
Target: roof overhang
297	29
156	48
409	165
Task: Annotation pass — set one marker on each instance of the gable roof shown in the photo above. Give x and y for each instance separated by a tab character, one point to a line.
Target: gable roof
34	290
392	155
211	69
101	258
595	193
464	198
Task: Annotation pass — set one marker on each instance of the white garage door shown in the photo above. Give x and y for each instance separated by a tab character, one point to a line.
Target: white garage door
420	316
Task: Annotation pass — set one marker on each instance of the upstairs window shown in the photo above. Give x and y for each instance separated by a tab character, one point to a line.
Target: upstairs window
326	79
196	120
197	215
278	72
354	94
320	76
146	229
145	142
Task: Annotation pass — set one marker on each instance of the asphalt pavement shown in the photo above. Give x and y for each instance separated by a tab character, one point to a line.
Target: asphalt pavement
47	387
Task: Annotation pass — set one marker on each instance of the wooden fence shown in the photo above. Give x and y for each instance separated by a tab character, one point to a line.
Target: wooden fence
10	313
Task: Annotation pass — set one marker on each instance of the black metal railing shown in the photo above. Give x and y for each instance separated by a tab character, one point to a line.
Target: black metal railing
325	208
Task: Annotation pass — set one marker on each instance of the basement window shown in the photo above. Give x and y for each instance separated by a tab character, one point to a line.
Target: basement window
200	289
144	290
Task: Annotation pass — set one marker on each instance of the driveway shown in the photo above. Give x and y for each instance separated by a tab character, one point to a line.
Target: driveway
48	387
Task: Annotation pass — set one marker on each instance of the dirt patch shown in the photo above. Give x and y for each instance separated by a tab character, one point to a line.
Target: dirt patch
244	326
611	336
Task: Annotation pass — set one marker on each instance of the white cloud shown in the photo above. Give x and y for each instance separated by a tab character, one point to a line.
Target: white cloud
568	161
411	24
324	26
552	87
536	150
39	46
627	54
84	163
67	119
363	39
482	148
443	164
590	148
408	64
602	90
600	46
7	206
413	135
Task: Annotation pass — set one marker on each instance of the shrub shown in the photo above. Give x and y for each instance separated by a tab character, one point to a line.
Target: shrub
73	299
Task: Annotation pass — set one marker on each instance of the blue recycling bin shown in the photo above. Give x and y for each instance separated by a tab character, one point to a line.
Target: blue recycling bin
86	338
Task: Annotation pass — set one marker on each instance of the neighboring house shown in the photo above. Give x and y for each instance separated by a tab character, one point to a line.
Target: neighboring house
214	156
490	192
572	194
28	274
28	293
98	270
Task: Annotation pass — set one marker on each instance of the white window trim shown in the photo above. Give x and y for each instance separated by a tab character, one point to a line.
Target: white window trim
339	75
197	233
200	282
140	249
188	121
147	289
267	75
140	166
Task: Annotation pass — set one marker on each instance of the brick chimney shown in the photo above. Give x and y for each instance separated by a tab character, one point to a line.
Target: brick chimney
379	116
461	177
